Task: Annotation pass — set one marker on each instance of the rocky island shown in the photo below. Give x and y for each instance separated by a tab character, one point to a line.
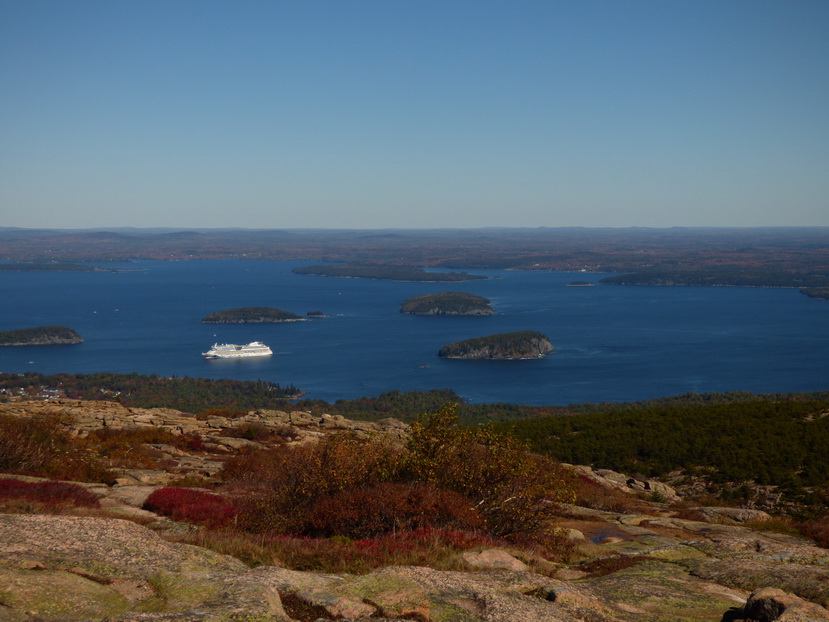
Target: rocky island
251	315
518	345
40	336
447	303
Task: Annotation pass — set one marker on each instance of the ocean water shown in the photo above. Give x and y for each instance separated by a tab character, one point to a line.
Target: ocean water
612	343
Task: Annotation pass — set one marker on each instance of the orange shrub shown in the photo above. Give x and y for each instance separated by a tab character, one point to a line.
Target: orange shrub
593	495
517	492
280	484
41	446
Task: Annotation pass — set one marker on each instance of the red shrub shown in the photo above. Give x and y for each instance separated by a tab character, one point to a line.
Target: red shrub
50	494
817	530
423	547
192	506
385	507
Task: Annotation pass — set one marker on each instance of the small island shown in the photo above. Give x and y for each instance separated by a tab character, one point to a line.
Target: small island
251	315
447	303
503	346
316	314
816	292
40	336
388	273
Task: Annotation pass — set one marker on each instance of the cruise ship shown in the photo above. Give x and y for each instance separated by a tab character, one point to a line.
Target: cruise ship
232	351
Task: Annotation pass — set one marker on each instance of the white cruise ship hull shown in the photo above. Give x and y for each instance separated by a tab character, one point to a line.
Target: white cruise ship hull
233	351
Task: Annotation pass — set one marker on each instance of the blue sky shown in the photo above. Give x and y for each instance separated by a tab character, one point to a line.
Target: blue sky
392	113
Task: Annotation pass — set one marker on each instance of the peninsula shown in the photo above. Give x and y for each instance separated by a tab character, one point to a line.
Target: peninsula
518	345
447	303
40	336
386	272
251	315
816	292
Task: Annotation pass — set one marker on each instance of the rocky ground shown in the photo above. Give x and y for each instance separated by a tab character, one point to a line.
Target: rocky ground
650	565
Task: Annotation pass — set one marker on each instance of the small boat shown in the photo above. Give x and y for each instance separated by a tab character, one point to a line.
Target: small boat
232	351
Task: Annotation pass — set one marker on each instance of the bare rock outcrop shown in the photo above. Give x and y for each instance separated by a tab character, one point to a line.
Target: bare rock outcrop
629	567
67	568
625	483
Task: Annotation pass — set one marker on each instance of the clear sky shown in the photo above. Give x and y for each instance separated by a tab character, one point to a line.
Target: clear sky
414	113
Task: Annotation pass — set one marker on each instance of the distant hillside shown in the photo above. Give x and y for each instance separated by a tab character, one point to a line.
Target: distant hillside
386	272
723	276
45	267
793	252
781	443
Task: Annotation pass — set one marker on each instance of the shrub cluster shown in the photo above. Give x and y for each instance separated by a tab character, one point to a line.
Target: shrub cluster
48	495
448	477
41	446
133	447
389	507
192	506
517	492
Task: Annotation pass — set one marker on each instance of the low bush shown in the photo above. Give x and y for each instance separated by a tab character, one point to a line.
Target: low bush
518	493
41	446
278	485
356	488
133	447
111	438
253	431
436	548
192	506
390	507
48	495
817	530
591	494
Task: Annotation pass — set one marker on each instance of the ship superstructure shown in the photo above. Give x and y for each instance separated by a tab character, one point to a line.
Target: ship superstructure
232	351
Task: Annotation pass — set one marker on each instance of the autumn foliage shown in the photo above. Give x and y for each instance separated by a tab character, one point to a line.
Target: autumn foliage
193	506
448	476
48	495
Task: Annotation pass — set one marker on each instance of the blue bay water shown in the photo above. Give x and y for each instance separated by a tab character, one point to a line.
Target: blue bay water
612	343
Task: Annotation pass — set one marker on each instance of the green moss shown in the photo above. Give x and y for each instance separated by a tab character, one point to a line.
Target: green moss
369	586
178	593
58	594
681	551
660	592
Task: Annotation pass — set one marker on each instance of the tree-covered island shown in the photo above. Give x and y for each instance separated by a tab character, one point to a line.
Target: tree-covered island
447	303
518	345
816	292
388	273
251	315
40	336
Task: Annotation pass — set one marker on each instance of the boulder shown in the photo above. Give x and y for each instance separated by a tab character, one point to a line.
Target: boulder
769	604
493	559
